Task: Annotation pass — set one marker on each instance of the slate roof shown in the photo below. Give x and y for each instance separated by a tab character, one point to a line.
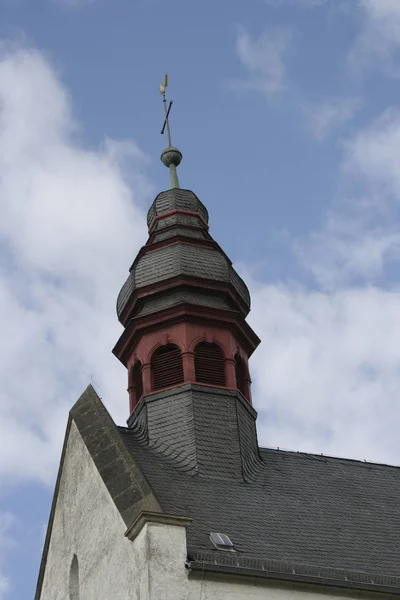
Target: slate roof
176	199
291	516
303	515
179	245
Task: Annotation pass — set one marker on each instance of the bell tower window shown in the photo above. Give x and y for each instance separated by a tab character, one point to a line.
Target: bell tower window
209	364
166	367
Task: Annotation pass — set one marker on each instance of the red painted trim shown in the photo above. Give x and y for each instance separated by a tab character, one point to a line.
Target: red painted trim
162	318
128	341
180	281
242	333
174	226
170	340
205	338
173	241
192	213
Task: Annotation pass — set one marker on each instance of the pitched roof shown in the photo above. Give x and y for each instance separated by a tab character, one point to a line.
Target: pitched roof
293	516
304	516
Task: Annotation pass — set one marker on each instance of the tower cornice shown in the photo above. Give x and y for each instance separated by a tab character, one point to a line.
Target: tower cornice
210	286
204	317
170	213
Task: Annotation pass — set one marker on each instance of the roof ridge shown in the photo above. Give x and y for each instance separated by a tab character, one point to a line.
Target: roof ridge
328	456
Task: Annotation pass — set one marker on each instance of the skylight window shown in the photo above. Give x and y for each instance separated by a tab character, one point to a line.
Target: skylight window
222	542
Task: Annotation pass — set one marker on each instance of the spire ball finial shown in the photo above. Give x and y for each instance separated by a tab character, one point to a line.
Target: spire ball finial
171	156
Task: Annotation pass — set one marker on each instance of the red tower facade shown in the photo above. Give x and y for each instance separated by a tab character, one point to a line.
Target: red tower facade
183	307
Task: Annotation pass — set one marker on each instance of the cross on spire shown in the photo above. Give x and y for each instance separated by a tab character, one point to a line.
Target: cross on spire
163	87
170	157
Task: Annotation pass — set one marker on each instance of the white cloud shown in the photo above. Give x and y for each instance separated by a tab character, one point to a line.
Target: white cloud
69	230
327	117
349	249
381	11
372	155
360	238
378	43
4	586
327	375
6	544
264	60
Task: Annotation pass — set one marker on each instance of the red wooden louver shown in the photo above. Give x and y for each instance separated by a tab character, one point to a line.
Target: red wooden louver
209	364
167	367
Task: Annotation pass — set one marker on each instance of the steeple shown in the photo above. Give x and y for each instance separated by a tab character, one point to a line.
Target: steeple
186	340
171	157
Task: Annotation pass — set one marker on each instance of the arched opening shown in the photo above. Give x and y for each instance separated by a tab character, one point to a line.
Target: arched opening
166	366
74	579
241	375
209	364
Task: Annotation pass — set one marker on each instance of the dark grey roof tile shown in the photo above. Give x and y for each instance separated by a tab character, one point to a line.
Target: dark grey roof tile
181	259
159	302
176	199
179	231
301	508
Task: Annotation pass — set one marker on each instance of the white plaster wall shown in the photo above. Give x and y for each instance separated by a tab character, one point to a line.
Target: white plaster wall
169	579
87	523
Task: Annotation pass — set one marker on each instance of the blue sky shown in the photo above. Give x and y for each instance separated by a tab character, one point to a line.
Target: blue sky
287	114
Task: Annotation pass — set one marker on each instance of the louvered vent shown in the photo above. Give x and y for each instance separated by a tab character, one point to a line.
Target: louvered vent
240	370
166	367
209	364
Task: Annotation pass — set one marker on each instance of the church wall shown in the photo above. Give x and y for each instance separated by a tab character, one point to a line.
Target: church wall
87	523
170	580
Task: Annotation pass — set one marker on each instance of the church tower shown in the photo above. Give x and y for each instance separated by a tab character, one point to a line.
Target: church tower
186	343
183	306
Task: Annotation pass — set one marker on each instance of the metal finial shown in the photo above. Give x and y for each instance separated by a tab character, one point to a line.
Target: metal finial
171	157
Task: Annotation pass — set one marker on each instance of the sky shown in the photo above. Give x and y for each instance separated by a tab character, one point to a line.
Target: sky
287	113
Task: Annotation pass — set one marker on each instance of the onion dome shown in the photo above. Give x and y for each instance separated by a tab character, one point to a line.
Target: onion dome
180	262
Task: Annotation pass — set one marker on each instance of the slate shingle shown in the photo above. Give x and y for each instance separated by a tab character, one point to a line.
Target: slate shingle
176	199
181	259
301	509
180	245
